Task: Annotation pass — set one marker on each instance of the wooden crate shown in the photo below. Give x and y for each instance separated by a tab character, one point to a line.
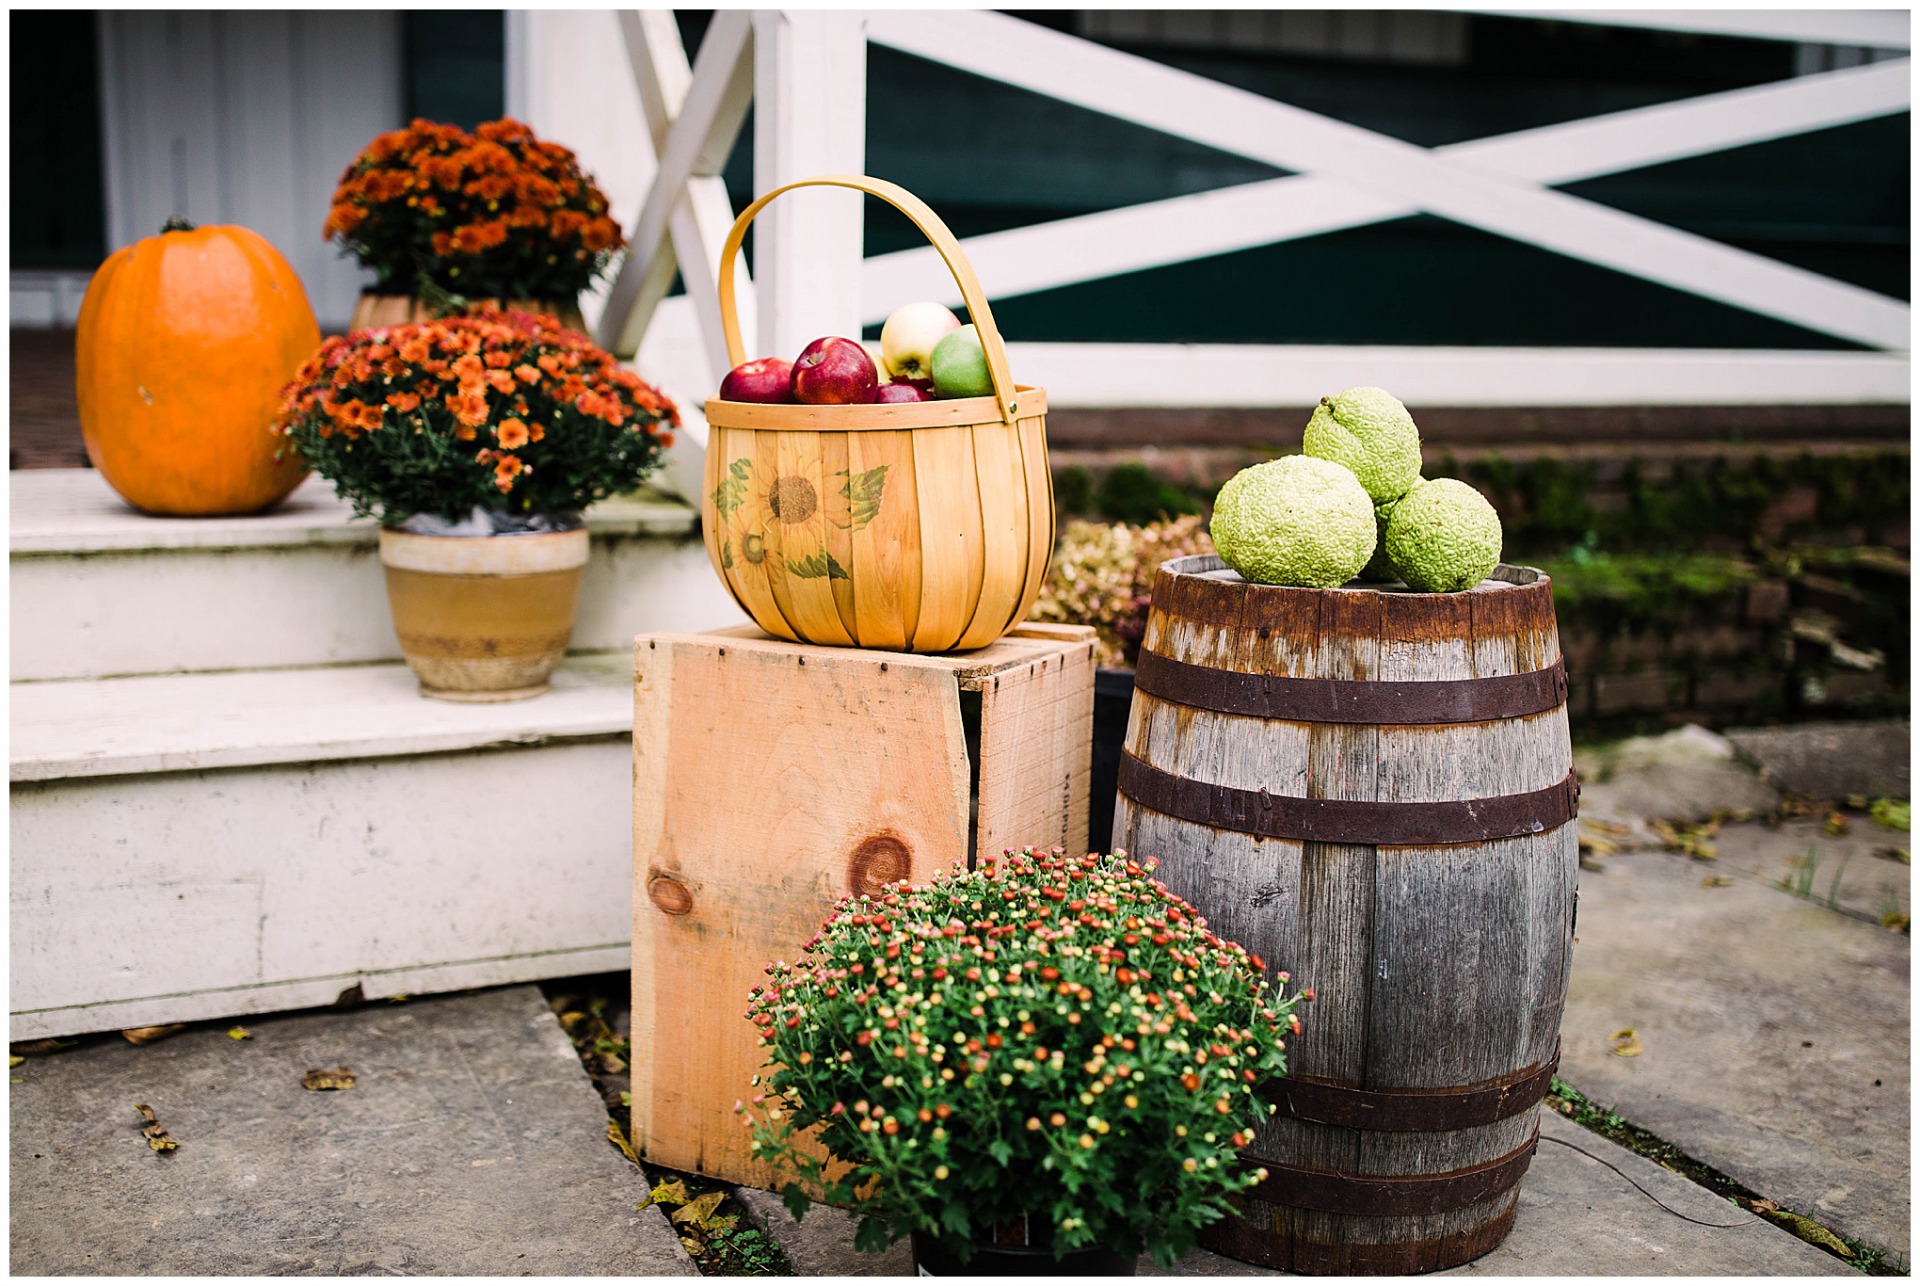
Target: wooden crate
772	778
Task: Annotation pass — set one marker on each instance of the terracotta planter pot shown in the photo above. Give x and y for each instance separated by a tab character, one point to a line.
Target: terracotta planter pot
483	618
399	310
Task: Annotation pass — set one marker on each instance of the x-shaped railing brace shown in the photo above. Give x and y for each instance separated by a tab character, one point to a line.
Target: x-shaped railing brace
694	114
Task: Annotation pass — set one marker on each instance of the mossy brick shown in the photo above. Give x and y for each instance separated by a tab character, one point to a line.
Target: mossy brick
1649	690
1729	690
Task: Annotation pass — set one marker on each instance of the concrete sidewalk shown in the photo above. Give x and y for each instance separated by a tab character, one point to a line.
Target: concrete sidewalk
1771	1008
472	1143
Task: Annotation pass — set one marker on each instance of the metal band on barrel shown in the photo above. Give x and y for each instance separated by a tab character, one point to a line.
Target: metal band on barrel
1269	696
1348	821
1353	1194
1410	1111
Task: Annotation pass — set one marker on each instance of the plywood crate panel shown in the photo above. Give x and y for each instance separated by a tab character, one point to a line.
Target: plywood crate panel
771	779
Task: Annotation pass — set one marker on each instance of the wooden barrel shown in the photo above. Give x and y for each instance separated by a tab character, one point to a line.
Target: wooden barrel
1373	790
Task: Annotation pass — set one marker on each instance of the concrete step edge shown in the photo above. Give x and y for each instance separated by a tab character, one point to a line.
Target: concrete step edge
256	718
73	512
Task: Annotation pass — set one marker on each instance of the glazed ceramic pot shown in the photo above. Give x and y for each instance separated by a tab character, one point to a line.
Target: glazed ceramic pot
484	618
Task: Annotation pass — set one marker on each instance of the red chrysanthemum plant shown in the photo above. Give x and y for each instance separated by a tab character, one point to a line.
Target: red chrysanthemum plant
495	214
506	413
1052	1039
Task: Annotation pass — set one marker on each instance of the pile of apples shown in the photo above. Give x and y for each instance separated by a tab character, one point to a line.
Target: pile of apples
924	353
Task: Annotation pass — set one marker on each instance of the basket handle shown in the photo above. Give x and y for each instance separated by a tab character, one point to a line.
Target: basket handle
930	225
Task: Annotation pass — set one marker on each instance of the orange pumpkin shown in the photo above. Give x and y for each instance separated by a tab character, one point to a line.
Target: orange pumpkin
185	341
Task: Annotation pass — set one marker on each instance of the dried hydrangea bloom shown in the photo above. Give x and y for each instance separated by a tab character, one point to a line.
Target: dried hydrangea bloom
1102	575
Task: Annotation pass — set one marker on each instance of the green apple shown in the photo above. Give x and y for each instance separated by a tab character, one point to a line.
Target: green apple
960	365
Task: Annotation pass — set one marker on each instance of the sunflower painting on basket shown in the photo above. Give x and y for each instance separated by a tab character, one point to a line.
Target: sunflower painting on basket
776	521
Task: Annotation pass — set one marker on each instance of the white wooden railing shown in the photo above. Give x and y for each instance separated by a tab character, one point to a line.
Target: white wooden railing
806	70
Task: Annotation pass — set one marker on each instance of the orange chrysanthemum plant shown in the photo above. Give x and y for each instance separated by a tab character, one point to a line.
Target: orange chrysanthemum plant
505	413
496	214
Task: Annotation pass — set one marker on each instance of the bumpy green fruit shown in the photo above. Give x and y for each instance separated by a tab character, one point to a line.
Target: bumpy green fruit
1369	431
1443	536
1380	567
1294	521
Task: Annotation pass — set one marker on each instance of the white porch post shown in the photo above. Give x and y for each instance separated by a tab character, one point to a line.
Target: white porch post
810	104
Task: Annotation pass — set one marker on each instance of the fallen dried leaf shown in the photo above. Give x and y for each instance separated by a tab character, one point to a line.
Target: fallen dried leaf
693	1245
618	1138
1836	824
1807	1230
1898	921
147	1035
157	1137
333	1078
571	1019
14	1060
1894	814
1626	1043
698	1211
239	1033
35	1047
1594	839
1716	882
1761	1205
671	1192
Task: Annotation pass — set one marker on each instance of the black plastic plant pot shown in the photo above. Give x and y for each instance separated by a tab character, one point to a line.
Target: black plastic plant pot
933	1259
1112	703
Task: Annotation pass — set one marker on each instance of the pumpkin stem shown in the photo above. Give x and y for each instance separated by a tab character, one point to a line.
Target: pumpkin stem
176	224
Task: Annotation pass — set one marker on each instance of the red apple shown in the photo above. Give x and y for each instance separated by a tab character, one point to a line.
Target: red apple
835	372
764	379
905	391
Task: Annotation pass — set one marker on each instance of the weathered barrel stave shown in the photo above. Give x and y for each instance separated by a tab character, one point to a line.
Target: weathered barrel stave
1486	931
1466	944
1294	1240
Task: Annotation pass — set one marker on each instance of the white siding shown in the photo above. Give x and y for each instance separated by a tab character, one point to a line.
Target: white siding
249	118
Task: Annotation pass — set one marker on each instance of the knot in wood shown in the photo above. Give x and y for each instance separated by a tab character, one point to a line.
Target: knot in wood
669	894
877	861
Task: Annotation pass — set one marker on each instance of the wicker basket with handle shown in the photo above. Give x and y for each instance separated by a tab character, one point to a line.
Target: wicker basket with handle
913	526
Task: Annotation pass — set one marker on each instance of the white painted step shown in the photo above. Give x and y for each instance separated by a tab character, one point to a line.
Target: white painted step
202	845
99	589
